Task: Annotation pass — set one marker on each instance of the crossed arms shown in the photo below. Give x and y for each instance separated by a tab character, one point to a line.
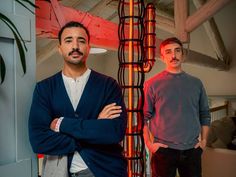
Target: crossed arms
108	127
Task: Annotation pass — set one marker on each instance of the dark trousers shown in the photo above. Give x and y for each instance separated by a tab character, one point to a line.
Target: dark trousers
166	161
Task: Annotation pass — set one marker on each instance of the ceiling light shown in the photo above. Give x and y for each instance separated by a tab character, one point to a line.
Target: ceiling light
97	50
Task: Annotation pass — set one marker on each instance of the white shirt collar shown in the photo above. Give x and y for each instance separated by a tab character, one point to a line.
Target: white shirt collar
83	77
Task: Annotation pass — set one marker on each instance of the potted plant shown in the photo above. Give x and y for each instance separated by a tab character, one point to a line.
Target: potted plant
19	40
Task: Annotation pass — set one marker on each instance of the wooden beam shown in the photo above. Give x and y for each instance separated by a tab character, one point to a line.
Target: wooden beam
214	35
71	3
98	8
164	21
101	31
47	26
58	13
163	10
204	13
51	48
197	58
112	16
181	14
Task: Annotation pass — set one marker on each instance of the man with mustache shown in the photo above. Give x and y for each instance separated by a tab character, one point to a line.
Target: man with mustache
78	114
176	116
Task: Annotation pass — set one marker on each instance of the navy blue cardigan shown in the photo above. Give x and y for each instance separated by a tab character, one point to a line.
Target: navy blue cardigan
97	141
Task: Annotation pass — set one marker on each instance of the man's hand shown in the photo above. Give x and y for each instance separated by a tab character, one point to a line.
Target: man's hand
110	111
201	144
153	147
148	139
53	124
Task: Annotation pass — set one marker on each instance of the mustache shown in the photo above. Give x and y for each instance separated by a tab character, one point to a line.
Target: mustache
174	59
75	50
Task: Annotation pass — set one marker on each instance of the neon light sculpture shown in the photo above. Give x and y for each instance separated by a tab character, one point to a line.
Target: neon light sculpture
133	63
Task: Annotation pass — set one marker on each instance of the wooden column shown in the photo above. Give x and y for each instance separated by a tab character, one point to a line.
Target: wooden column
181	14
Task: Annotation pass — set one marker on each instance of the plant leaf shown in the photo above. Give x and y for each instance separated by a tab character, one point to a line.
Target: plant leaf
19	45
2	69
32	4
21	3
21	51
18	39
9	23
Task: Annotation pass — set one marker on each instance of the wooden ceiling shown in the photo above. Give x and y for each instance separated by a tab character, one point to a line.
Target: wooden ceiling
172	17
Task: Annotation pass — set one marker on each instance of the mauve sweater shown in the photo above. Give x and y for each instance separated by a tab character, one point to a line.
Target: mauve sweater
176	106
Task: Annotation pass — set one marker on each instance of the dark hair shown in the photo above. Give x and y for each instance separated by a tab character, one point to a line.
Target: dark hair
70	25
171	40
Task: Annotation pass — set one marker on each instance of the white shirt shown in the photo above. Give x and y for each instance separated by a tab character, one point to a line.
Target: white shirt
75	88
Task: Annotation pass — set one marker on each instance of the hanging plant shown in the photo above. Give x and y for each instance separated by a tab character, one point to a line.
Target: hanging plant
18	38
2	68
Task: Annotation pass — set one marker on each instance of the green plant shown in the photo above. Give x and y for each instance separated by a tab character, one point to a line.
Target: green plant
18	38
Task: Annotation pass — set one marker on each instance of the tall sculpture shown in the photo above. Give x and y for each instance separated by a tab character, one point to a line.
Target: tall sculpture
136	55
